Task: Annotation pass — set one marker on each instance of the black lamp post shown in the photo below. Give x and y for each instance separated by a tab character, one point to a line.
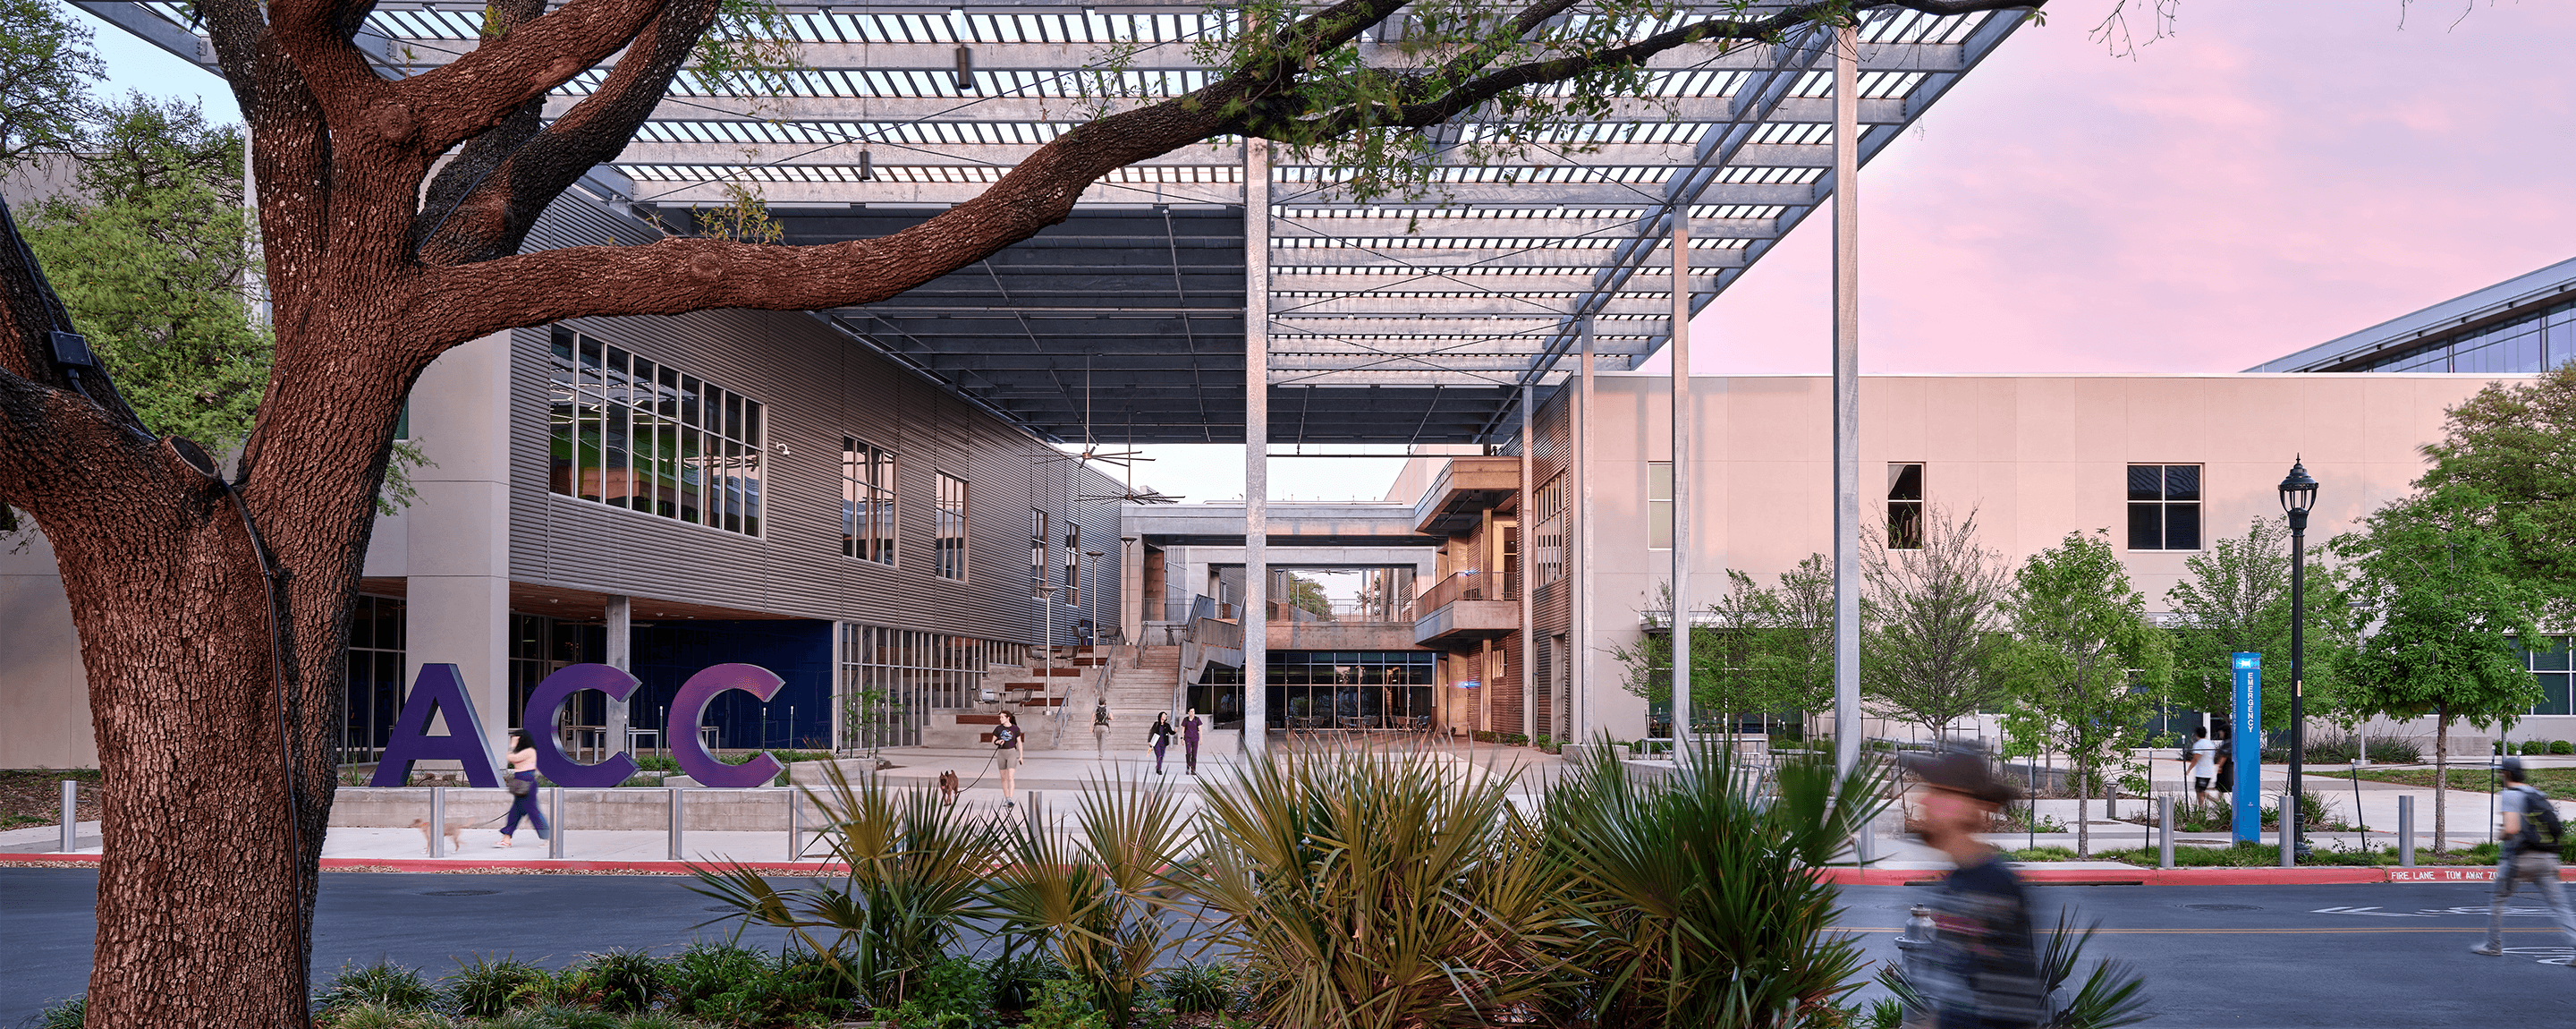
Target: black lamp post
2298	497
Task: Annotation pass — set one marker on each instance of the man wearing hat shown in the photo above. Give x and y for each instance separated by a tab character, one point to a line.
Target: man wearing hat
1981	968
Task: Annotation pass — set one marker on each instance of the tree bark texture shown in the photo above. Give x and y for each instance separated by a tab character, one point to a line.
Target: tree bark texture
215	726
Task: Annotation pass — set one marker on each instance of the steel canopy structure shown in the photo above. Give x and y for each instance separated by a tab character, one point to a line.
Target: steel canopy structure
1387	322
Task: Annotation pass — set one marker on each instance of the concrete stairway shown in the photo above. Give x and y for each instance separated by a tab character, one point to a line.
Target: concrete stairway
1141	681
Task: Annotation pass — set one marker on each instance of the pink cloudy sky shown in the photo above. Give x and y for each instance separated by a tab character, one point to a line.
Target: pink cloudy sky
2273	174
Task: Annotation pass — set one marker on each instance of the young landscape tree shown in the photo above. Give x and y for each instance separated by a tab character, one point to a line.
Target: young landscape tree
2084	663
2236	597
1934	625
392	214
2444	589
2514	446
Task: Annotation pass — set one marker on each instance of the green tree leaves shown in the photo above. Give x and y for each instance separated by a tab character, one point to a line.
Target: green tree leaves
2236	597
1934	625
46	67
152	256
2513	448
2084	663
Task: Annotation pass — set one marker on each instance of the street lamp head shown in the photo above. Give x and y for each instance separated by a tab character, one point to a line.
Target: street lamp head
2298	491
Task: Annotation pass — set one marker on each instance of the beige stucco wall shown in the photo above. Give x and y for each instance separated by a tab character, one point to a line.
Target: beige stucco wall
44	711
2037	456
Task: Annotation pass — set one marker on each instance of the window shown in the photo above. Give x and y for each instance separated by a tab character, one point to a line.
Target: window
2164	507
950	556
867	501
628	432
1659	505
2551	665
376	626
1073	567
1549	503
1038	569
1905	506
892	679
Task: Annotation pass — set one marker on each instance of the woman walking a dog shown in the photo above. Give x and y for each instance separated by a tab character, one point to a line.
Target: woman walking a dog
1006	754
523	790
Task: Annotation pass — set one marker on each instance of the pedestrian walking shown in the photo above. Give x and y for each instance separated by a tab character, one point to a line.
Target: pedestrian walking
523	790
2200	764
2527	852
1981	967
1006	755
1190	740
2226	773
1100	728
1161	737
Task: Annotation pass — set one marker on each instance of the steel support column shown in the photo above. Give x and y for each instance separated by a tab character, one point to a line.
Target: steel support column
1680	620
1529	611
1847	729
1581	637
1256	445
621	656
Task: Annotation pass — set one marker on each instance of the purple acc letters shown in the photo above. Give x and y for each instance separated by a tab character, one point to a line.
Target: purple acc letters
440	690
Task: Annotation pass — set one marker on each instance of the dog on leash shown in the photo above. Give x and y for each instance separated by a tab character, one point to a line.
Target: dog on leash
455	835
948	788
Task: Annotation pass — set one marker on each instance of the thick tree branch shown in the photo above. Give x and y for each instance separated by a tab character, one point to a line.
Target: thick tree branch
1282	120
462	98
491	213
485	152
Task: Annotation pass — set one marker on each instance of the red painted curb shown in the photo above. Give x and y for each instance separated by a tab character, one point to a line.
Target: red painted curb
539	865
2311	876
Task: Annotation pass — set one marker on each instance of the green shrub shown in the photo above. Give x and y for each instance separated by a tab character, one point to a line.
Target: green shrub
372	1015
394	986
66	1014
795	988
1065	1004
483	987
621	980
2534	748
952	991
1195	989
2386	750
2562	747
706	970
1016	978
658	763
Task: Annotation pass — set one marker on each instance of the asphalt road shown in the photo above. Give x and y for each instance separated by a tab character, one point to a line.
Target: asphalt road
2257	956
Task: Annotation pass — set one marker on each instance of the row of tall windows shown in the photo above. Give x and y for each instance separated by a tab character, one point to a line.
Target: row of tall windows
376	688
2534	342
2164	506
631	433
1548	504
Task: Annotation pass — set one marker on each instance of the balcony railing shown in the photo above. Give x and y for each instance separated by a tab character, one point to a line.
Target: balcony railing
1467	585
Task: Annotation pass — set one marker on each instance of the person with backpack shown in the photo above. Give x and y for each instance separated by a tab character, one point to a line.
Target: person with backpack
2527	852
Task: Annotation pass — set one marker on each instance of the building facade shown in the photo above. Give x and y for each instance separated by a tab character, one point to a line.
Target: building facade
727	486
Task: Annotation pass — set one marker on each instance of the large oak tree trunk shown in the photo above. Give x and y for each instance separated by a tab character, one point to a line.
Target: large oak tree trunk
216	731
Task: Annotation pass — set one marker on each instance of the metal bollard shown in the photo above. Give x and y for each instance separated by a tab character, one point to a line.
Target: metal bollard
2289	841
555	835
2405	831
795	833
2164	841
676	827
438	821
71	814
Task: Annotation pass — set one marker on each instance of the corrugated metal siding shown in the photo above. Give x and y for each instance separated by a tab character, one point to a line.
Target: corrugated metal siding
818	386
1552	605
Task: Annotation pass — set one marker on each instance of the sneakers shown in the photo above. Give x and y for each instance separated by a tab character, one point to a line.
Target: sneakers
2487	949
1006	802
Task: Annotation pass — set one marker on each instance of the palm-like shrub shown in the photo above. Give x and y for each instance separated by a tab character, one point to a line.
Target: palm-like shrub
1096	896
1376	890
398	987
484	986
1691	897
916	870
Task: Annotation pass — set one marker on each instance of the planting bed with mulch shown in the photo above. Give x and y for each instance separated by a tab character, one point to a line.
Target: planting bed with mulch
34	796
